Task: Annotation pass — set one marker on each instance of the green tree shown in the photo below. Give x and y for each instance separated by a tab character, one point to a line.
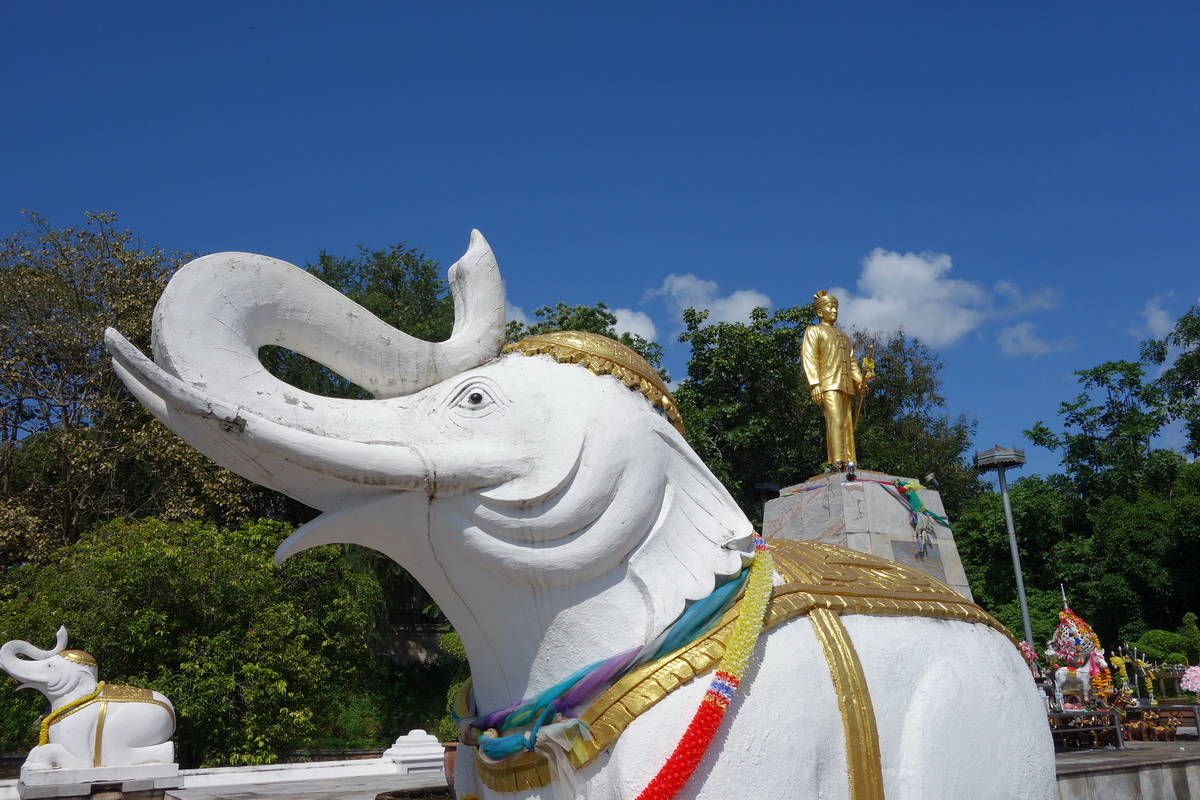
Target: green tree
1180	382
1106	445
1120	528
256	658
1045	512
75	449
397	283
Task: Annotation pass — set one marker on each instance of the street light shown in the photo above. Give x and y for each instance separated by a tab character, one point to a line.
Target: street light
1000	459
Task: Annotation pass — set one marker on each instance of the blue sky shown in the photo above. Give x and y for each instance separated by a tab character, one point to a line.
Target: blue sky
1016	183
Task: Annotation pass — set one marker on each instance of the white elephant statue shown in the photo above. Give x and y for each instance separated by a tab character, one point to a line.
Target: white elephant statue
545	497
1076	679
91	723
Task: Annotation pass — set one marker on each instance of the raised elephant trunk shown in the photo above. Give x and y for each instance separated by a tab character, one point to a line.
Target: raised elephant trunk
264	301
19	668
242	302
31	669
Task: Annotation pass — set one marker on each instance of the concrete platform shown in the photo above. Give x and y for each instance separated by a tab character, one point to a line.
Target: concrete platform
1140	771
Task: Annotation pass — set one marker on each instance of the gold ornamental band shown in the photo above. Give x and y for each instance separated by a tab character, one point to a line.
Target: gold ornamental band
864	765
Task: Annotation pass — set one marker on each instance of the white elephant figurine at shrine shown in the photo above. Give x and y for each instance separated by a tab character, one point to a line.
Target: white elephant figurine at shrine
544	495
1076	679
90	724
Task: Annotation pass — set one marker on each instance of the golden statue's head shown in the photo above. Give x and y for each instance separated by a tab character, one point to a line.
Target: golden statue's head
826	306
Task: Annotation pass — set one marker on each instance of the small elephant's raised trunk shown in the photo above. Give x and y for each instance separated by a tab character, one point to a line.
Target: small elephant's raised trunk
26	669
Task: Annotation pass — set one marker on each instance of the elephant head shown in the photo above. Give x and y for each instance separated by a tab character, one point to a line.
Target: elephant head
55	672
555	471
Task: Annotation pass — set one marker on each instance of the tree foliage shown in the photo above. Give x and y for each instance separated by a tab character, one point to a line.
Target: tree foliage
1106	445
255	657
748	412
1120	528
397	283
1180	382
75	449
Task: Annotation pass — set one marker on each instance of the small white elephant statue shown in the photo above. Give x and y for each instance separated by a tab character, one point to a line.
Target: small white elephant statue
90	724
1077	679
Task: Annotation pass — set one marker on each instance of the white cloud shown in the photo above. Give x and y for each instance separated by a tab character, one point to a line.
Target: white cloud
1158	323
681	292
515	313
1022	340
1041	300
914	292
636	322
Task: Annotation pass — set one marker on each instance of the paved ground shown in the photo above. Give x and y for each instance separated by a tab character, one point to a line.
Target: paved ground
333	789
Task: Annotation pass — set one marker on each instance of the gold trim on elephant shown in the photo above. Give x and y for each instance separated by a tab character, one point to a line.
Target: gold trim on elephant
104	694
603	356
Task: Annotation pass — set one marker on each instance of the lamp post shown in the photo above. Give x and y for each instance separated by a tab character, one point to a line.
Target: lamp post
1000	459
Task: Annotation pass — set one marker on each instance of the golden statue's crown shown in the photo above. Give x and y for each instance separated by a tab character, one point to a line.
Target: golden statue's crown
79	657
603	356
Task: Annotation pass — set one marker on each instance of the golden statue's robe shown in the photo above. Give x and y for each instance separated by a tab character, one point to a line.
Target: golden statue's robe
829	363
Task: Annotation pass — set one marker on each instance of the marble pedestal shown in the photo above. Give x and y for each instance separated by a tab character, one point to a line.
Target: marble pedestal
866	516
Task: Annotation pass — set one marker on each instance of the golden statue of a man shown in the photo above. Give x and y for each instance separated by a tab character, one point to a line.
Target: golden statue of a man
833	379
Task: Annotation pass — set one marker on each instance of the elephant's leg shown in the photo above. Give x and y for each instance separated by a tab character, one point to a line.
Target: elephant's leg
54	756
119	755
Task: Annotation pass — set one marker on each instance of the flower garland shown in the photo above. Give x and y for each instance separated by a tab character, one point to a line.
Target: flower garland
1077	644
1102	684
683	762
53	717
1119	664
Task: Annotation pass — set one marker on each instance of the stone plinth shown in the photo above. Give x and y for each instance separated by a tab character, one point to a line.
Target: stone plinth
144	781
416	752
867	515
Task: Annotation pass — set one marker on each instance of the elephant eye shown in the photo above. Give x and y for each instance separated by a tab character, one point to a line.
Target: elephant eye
475	399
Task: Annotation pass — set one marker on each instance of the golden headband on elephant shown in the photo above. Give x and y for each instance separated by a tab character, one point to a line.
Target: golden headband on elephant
603	356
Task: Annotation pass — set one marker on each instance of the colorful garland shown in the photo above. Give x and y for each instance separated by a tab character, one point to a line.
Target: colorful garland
1077	645
683	762
1119	666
